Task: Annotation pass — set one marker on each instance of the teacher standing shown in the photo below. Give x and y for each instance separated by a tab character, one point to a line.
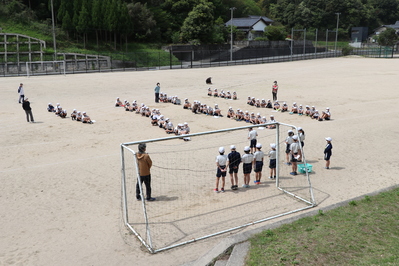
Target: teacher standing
274	90
156	90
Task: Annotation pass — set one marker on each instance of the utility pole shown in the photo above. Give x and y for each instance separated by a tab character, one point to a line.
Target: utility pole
336	33
231	33
54	41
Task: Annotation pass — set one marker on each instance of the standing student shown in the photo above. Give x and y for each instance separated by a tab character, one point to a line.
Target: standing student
295	153
144	164
28	110
21	93
272	162
328	152
247	160
258	163
221	163
288	142
301	135
156	90
233	162
274	90
252	134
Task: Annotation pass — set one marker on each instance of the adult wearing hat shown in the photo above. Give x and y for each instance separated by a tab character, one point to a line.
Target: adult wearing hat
328	152
144	164
28	110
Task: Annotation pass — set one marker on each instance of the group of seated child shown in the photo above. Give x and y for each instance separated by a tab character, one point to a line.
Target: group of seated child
259	103
308	111
201	108
295	109
257	119
222	94
75	115
164	98
58	111
157	119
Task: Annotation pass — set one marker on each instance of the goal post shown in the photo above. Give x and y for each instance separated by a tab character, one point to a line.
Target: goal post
183	175
45	67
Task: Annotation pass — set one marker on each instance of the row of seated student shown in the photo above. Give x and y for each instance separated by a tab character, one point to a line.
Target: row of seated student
157	119
58	111
222	94
75	115
201	108
312	112
247	117
295	109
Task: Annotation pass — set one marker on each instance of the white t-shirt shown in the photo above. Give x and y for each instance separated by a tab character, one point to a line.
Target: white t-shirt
259	155
247	158
272	154
221	159
301	136
252	134
294	147
289	140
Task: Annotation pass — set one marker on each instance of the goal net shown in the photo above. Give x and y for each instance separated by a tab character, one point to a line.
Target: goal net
45	67
183	175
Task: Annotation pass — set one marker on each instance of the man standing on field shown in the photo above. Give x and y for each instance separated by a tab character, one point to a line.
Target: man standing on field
156	90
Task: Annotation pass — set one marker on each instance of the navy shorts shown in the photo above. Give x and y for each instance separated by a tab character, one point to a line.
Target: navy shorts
287	149
247	168
293	158
220	173
327	156
258	166
253	143
233	169
272	163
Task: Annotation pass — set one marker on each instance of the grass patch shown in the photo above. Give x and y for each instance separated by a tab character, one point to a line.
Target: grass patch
365	232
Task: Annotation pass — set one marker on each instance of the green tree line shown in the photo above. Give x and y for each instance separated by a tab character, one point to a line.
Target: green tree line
196	21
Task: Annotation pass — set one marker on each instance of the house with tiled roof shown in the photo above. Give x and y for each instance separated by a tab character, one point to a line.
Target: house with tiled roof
382	28
252	26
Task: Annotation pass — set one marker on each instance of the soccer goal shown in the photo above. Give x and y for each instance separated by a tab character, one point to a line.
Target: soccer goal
183	176
45	67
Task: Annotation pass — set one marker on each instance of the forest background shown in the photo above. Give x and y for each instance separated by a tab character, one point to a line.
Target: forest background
116	23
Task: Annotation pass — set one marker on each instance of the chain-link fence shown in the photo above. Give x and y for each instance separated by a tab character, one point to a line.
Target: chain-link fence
49	64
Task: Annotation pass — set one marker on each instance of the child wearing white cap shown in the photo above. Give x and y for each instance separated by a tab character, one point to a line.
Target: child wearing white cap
271	121
272	162
252	134
118	102
258	163
221	161
234	95
233	162
326	114
247	160
288	142
328	152
295	153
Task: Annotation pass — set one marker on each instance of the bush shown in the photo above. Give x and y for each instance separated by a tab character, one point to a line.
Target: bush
347	50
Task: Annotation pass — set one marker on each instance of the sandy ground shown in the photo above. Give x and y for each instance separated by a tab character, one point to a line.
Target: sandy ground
60	180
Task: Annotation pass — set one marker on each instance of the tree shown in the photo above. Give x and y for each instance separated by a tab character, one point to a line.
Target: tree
199	23
142	20
388	37
275	33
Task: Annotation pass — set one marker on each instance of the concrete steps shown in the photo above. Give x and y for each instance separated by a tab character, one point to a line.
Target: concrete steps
237	256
